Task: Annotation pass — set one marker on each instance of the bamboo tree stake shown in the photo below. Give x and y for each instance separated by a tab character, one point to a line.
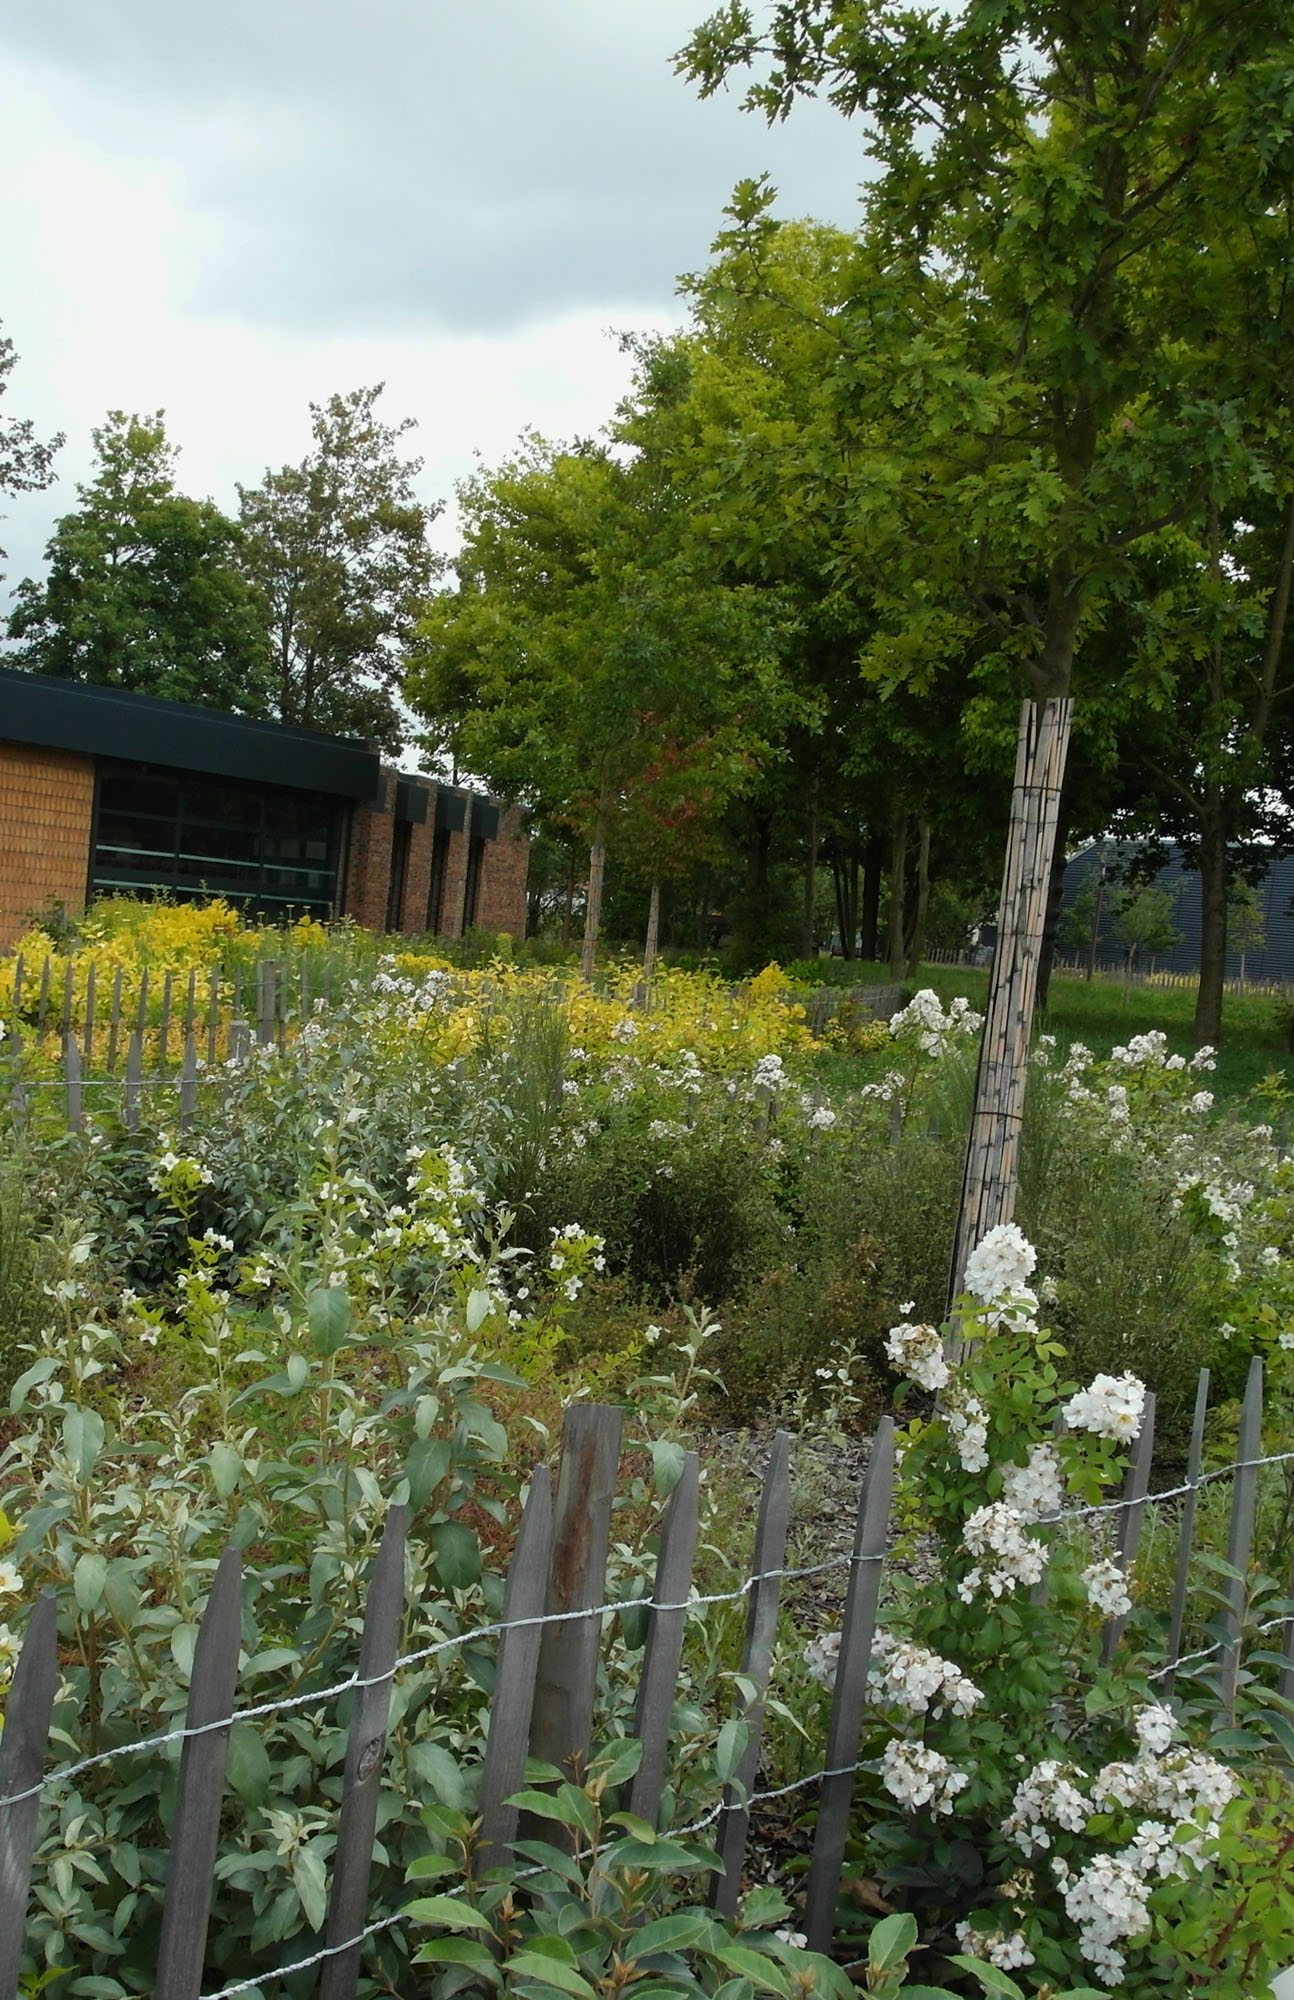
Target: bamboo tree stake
993	1153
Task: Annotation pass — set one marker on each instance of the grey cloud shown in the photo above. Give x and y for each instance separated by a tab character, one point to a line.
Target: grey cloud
407	167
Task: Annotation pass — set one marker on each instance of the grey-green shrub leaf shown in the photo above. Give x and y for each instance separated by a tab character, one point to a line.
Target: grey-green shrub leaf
247	1765
328	1313
226	1468
88	1579
458	1554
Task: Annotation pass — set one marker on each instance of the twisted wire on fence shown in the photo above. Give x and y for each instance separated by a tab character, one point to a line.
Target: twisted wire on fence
609	1607
694	1826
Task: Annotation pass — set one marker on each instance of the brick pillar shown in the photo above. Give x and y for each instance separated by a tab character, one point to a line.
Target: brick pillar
501	905
368	862
417	877
46	804
451	922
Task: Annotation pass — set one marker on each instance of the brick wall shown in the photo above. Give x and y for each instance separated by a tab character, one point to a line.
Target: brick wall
46	803
501	904
417	879
368	861
451	908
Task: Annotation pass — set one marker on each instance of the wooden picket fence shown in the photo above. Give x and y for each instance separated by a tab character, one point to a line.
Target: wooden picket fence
545	1682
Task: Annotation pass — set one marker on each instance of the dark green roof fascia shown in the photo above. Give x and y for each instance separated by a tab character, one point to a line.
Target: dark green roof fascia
109	722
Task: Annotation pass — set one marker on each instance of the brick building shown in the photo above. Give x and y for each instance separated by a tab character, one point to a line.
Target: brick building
104	792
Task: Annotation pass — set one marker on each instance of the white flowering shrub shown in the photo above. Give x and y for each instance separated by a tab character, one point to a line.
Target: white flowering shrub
1043	1815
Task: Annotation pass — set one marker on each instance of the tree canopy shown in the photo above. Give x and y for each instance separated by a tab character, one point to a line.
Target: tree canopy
338	547
26	463
145	588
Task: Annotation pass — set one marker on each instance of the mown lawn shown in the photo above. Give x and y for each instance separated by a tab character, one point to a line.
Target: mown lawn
1103	1011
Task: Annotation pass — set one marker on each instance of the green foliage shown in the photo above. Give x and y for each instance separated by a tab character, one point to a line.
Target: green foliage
337	547
145	589
24	1264
26	464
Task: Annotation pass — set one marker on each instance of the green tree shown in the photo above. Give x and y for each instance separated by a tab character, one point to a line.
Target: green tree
590	664
1040	164
26	465
144	588
338	547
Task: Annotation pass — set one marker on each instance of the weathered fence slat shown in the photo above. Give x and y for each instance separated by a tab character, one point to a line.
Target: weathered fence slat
22	1761
756	1665
849	1695
69	973
43	1007
1186	1531
89	1012
114	1024
362	1783
213	1017
182	1947
18	1105
667	1620
188	1082
514	1672
1240	1535
190	1001
562	1721
1131	1515
141	1011
130	1090
264	1001
17	986
72	1072
164	1030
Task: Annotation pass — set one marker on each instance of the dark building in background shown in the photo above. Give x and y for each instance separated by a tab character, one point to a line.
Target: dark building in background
108	793
1273	959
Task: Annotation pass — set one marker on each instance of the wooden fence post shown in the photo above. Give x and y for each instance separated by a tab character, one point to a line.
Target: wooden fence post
43	1006
22	1761
18	1102
130	1090
667	1621
114	1025
264	1001
164	1027
89	1012
512	1703
186	1910
1186	1530
562	1722
72	1071
362	1784
188	1083
1131	1515
756	1666
849	1694
1240	1536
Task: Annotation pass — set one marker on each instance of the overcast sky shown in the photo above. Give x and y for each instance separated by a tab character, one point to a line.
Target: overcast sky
228	208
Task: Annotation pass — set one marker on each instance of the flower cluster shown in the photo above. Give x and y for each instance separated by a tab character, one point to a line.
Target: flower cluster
1000	1264
1005	1949
1110	1407
1008	1555
1035	1489
918	1776
1107	1588
924	1021
917	1352
912	1677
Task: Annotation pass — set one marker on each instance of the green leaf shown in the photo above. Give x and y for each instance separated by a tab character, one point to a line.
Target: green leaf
891	1941
616	1765
311	1885
248	1764
433	1763
428	1461
763	1973
226	1468
460	1951
537	1964
731	1747
83	1440
88	1579
431	1866
328	1314
458	1554
449	1911
663	1857
549	1805
40	1371
479	1306
297	1373
762	1906
667	1459
990	1977
675	1933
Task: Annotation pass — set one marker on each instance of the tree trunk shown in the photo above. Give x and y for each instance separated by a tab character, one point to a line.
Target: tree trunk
703	914
757	888
653	931
838	866
1051	917
993	1152
568	911
593	913
1207	1026
917	929
873	870
808	934
898	871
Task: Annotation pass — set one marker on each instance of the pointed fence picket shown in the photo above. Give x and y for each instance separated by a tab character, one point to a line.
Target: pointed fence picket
545	1673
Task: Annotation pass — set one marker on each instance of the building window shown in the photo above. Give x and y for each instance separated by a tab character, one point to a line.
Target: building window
472	893
436	891
271	851
401	841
